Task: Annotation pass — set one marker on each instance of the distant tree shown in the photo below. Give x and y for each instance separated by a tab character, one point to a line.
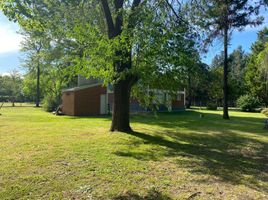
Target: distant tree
257	68
237	65
33	45
11	87
196	83
219	18
1	85
215	86
237	62
236	69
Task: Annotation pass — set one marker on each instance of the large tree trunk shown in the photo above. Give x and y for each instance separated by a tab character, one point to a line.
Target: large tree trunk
225	76
37	103
120	120
122	88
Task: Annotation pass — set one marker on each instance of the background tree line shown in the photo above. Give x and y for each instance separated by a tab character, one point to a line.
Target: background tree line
247	77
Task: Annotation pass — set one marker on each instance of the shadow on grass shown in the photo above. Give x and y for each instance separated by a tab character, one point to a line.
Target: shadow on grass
210	122
232	157
152	195
104	117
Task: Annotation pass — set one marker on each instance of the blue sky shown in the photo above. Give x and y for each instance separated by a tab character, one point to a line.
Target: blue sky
10	55
9	45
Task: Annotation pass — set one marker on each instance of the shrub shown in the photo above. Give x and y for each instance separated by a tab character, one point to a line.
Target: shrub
50	103
265	112
4	98
248	103
212	106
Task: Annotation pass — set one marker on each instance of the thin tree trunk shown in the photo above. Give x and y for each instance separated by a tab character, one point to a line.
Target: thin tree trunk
38	86
225	76
189	103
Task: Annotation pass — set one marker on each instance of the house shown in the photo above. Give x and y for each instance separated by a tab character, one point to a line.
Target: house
92	98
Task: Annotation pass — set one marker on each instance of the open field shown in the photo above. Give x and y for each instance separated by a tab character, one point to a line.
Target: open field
171	156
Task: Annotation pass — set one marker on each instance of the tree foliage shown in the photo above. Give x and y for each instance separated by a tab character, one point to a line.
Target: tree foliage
237	66
219	18
10	87
131	44
256	71
248	103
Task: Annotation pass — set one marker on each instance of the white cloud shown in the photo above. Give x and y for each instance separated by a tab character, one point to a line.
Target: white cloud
9	39
5	74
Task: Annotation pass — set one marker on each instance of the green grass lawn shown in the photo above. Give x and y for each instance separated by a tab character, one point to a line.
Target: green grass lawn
171	156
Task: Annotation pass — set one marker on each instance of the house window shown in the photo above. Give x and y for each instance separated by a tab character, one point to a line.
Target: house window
160	97
179	97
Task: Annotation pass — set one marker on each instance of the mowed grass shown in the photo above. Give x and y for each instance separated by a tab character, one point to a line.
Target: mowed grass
171	156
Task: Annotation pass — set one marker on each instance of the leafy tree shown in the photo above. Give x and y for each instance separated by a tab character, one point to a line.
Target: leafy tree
256	70
34	44
29	87
196	83
219	18
237	65
11	87
248	103
126	43
215	86
236	68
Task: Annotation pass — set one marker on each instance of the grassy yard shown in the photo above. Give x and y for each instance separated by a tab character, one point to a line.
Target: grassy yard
171	156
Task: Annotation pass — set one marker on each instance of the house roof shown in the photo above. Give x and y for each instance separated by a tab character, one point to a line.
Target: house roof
80	87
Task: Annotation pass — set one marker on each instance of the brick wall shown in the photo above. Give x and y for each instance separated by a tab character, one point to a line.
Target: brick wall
87	101
83	102
68	103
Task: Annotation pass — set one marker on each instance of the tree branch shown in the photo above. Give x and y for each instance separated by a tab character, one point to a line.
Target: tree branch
118	4
119	18
172	9
135	4
108	18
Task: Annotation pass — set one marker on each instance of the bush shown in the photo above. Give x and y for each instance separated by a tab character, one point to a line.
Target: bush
248	103
4	98
265	112
50	103
212	106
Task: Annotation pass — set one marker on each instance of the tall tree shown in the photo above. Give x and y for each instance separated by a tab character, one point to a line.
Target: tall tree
123	87
220	18
237	65
11	87
256	68
236	69
124	42
33	45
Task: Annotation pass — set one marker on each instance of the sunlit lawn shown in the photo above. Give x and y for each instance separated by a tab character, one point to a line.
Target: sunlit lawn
171	156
